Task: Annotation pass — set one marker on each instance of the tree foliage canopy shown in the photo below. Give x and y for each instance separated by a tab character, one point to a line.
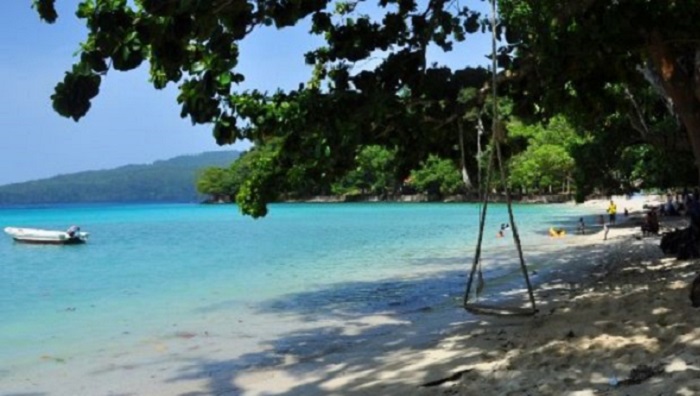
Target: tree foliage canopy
437	176
547	161
596	59
375	173
623	72
403	102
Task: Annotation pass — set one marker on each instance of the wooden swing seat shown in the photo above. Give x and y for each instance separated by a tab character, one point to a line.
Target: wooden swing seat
485	309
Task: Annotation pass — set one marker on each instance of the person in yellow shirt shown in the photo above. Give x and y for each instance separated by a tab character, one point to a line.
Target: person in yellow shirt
612	211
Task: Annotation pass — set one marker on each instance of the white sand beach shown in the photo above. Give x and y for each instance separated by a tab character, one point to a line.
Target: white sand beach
616	321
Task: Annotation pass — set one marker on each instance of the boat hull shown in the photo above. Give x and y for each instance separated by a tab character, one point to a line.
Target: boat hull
70	241
46	237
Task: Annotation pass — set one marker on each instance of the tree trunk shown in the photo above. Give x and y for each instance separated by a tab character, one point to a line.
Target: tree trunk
463	160
680	87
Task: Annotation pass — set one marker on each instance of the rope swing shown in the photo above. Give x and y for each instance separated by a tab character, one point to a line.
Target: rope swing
497	136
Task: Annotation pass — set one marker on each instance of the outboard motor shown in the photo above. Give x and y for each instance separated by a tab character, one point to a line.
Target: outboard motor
73	231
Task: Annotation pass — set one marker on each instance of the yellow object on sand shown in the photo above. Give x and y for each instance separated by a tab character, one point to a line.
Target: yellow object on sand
553	232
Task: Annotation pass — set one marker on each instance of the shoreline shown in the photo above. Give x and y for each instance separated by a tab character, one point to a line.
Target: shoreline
416	198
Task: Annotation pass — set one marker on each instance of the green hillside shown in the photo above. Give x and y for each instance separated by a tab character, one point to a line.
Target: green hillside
170	180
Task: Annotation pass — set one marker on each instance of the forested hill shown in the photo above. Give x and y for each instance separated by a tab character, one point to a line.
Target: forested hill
170	180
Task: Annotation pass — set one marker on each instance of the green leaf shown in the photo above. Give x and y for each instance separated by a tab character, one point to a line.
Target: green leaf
85	9
46	10
224	79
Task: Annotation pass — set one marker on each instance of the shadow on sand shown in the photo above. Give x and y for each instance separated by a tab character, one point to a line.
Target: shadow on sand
375	338
381	337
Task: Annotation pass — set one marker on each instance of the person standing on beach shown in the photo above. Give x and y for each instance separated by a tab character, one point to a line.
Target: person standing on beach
694	214
651	223
612	211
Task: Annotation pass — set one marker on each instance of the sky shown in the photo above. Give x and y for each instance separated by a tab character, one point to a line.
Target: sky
129	122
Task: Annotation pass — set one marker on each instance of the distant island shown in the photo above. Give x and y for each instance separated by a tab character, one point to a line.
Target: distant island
172	180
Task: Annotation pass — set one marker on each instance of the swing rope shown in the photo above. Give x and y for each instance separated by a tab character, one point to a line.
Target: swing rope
497	134
483	208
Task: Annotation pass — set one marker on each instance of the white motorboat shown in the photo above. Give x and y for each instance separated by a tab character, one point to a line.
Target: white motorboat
71	236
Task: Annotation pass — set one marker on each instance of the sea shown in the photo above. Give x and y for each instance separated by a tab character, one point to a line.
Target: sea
154	277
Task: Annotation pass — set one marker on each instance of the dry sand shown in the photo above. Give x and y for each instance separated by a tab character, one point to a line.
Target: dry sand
616	320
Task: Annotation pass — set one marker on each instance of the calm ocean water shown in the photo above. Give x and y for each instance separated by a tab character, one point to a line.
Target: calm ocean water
150	272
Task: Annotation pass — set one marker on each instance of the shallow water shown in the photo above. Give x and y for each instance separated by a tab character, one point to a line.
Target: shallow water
153	273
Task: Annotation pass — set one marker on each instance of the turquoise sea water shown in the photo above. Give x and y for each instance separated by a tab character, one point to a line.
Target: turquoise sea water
151	271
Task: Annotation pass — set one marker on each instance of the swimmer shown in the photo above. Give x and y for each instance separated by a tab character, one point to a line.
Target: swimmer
502	231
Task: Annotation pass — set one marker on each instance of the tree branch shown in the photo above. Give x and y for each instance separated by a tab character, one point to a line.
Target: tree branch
637	122
655	81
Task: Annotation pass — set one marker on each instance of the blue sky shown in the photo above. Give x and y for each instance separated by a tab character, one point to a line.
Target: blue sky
129	122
